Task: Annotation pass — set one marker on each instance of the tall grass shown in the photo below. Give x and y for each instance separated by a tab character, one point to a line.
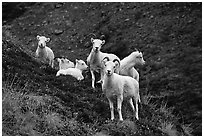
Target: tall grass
24	113
168	128
163	116
187	128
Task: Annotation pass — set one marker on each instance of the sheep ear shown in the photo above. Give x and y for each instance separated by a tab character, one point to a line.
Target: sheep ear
77	60
38	37
48	39
103	62
92	40
103	42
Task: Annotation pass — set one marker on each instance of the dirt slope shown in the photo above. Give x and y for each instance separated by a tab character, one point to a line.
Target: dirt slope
169	34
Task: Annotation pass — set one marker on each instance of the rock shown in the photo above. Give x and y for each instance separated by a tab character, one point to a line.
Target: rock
127	19
58	5
58	32
69	48
190	21
68	23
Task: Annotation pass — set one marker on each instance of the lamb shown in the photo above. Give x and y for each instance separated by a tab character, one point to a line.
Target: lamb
75	72
95	57
128	63
64	63
119	87
43	52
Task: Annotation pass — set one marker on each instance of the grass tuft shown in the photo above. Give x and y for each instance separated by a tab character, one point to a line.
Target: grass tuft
168	128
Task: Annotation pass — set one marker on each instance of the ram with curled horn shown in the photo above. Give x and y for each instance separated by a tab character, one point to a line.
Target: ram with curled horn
119	87
95	57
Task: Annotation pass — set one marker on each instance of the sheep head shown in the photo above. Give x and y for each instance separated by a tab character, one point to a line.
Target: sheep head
97	43
80	64
139	57
110	66
42	40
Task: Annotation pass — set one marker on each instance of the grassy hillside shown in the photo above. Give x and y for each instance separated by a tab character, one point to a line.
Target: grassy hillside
169	34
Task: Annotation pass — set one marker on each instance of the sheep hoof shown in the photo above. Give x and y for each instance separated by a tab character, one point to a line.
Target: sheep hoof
94	89
120	119
137	118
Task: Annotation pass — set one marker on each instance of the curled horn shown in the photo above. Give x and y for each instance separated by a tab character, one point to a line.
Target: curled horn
58	57
102	37
92	34
117	61
108	59
103	61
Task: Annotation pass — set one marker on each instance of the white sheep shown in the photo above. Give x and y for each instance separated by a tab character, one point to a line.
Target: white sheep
95	57
75	72
64	63
119	87
127	64
43	52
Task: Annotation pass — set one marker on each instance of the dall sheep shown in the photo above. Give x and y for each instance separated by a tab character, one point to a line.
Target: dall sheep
119	87
127	64
75	72
95	57
43	52
64	63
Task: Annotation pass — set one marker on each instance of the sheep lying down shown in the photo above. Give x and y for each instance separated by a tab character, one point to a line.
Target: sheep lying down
75	72
64	63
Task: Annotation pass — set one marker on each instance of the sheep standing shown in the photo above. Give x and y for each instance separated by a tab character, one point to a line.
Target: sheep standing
43	52
64	63
75	72
119	87
95	57
127	64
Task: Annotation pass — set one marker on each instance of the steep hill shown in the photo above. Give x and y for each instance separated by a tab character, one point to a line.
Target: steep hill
169	34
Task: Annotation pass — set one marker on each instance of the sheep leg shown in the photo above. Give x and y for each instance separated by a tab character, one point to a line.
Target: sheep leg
136	107
119	103
93	78
111	108
58	73
52	63
101	80
131	104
